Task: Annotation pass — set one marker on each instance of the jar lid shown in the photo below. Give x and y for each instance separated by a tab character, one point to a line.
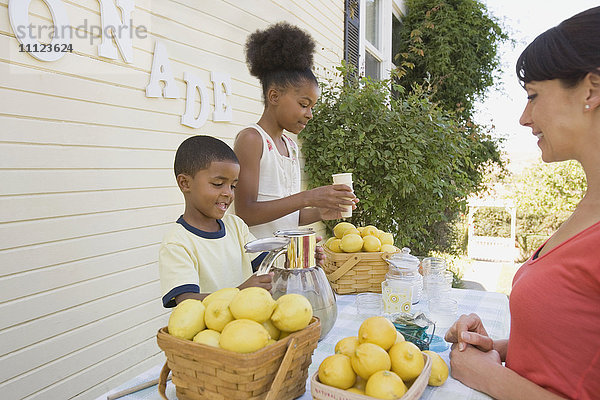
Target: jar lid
403	260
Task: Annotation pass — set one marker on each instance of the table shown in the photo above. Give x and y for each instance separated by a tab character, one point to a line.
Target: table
490	306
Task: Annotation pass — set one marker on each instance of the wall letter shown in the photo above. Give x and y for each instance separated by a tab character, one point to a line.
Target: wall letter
222	89
161	71
18	11
120	29
194	85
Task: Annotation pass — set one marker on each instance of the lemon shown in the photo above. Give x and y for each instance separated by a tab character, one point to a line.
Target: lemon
271	341
253	303
208	337
399	337
283	335
351	231
439	369
346	345
360	229
385	385
356	390
336	371
292	313
389	248
369	358
370	230
371	243
226	293
386	238
340	228
407	360
351	243
377	330
217	314
328	241
360	383
335	245
187	319
273	332
244	336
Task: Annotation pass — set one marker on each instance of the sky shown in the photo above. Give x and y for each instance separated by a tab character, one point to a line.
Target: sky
524	20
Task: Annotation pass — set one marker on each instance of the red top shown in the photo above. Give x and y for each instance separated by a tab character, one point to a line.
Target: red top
555	318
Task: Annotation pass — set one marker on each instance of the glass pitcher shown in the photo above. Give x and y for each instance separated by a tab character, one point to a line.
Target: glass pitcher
298	271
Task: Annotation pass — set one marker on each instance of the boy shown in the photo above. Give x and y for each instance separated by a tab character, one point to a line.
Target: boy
204	251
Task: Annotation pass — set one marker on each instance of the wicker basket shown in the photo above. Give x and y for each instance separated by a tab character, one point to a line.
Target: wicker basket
278	371
356	272
320	391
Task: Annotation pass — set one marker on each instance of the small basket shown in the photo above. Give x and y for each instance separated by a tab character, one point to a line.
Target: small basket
356	272
278	371
320	391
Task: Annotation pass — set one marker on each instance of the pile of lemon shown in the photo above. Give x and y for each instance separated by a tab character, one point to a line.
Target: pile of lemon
378	362
351	239
243	321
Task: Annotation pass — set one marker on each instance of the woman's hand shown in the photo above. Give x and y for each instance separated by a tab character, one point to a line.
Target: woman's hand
468	329
471	366
263	281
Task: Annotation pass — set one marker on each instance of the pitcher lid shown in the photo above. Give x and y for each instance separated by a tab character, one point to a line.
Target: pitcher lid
266	244
293	232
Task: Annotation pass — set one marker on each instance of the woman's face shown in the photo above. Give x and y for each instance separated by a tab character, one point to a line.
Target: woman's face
555	115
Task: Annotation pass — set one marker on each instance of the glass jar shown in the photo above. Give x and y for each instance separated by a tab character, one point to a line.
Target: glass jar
435	282
403	284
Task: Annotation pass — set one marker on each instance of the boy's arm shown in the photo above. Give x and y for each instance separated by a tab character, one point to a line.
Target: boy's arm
178	276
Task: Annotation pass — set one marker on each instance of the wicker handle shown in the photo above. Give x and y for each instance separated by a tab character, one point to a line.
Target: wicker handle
162	381
283	369
345	267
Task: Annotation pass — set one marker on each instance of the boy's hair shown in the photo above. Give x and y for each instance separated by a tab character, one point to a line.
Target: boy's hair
197	152
280	56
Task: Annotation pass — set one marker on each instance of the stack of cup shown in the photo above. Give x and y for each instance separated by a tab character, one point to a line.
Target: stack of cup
345	179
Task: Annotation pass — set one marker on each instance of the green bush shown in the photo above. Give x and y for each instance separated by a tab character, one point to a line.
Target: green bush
413	164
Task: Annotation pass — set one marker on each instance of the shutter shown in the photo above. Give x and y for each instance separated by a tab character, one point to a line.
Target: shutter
351	33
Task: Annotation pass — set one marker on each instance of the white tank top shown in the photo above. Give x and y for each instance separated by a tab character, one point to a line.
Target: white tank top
279	177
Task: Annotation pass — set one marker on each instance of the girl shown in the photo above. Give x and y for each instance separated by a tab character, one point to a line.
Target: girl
553	350
268	195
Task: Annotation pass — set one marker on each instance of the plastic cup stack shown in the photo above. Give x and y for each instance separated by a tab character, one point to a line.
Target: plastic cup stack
345	179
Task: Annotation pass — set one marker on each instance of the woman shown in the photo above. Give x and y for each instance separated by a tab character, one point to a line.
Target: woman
553	350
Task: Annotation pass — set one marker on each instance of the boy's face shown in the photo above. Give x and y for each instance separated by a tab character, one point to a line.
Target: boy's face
210	192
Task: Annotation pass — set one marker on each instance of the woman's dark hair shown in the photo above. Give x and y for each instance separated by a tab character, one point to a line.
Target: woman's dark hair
567	52
280	56
197	152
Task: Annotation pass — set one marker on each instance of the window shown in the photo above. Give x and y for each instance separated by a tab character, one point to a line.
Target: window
377	20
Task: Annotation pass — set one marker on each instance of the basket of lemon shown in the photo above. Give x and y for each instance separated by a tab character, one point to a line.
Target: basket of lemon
355	261
239	344
377	364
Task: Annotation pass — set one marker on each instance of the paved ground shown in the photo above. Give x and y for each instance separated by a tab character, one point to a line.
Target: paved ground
493	276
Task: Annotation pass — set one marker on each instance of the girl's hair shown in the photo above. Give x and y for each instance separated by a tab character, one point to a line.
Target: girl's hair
567	52
280	56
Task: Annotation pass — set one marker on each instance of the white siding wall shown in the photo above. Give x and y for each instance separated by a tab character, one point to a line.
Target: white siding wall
87	187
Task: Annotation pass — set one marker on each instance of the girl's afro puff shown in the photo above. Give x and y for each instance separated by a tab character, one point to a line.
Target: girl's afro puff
279	47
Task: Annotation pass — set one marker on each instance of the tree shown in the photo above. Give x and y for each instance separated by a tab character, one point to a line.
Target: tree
455	42
546	195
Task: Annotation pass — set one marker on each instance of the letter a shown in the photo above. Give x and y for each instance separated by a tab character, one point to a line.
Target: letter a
161	71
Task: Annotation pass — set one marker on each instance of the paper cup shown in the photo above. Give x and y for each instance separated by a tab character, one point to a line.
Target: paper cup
344	179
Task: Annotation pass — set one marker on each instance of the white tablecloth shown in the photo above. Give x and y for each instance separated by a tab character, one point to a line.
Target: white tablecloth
491	307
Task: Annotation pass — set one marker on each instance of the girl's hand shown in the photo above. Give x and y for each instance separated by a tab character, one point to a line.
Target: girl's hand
332	197
469	330
471	365
263	281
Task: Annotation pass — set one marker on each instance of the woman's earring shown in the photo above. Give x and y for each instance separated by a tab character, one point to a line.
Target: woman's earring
587	107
